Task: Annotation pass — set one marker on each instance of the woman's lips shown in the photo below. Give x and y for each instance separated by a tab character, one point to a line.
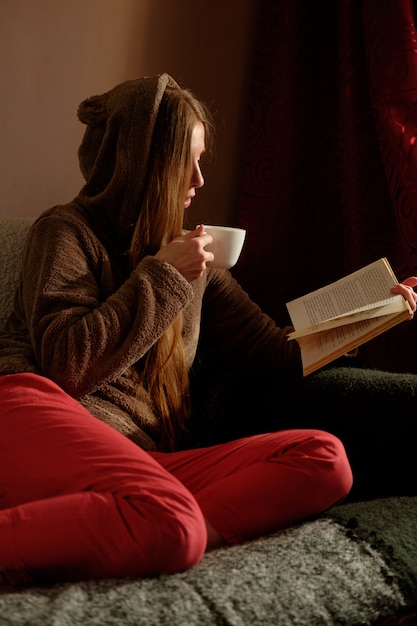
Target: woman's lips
187	202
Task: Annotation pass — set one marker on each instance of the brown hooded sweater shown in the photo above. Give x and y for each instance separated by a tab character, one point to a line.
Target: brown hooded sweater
85	319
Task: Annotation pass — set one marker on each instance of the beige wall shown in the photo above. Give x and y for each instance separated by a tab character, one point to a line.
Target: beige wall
55	53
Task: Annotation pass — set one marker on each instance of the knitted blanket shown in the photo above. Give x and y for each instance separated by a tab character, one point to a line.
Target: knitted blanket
350	566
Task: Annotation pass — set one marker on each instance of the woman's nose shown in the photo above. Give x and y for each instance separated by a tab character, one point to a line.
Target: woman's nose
198	179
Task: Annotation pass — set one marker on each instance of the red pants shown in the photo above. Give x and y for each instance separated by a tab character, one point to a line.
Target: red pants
79	500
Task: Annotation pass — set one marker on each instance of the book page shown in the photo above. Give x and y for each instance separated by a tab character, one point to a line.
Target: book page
395	304
359	290
321	348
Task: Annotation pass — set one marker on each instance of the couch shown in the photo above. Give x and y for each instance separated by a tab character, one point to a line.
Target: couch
356	564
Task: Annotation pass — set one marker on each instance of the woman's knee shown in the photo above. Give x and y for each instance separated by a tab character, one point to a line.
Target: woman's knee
169	534
186	541
332	463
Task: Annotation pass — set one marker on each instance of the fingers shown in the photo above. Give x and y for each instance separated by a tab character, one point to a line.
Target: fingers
187	253
406	290
197	232
410	282
202	239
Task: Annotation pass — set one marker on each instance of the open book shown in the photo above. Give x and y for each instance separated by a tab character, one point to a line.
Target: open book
336	319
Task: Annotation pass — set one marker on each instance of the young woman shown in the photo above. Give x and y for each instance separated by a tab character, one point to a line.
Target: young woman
113	305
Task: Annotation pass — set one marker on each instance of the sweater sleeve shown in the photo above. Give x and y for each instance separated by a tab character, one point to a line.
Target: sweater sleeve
83	330
236	328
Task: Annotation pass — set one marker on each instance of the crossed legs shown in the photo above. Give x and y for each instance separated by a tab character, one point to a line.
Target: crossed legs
79	500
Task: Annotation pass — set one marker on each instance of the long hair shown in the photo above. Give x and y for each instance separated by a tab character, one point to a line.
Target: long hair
161	216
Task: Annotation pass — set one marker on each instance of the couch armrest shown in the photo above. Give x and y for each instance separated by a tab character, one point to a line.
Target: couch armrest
13	233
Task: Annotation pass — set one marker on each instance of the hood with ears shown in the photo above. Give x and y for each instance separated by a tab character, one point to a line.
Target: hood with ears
114	153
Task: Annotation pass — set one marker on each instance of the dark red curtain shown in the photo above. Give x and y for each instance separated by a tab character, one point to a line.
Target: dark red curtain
329	178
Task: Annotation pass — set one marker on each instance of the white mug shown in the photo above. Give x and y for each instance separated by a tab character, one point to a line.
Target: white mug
227	245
